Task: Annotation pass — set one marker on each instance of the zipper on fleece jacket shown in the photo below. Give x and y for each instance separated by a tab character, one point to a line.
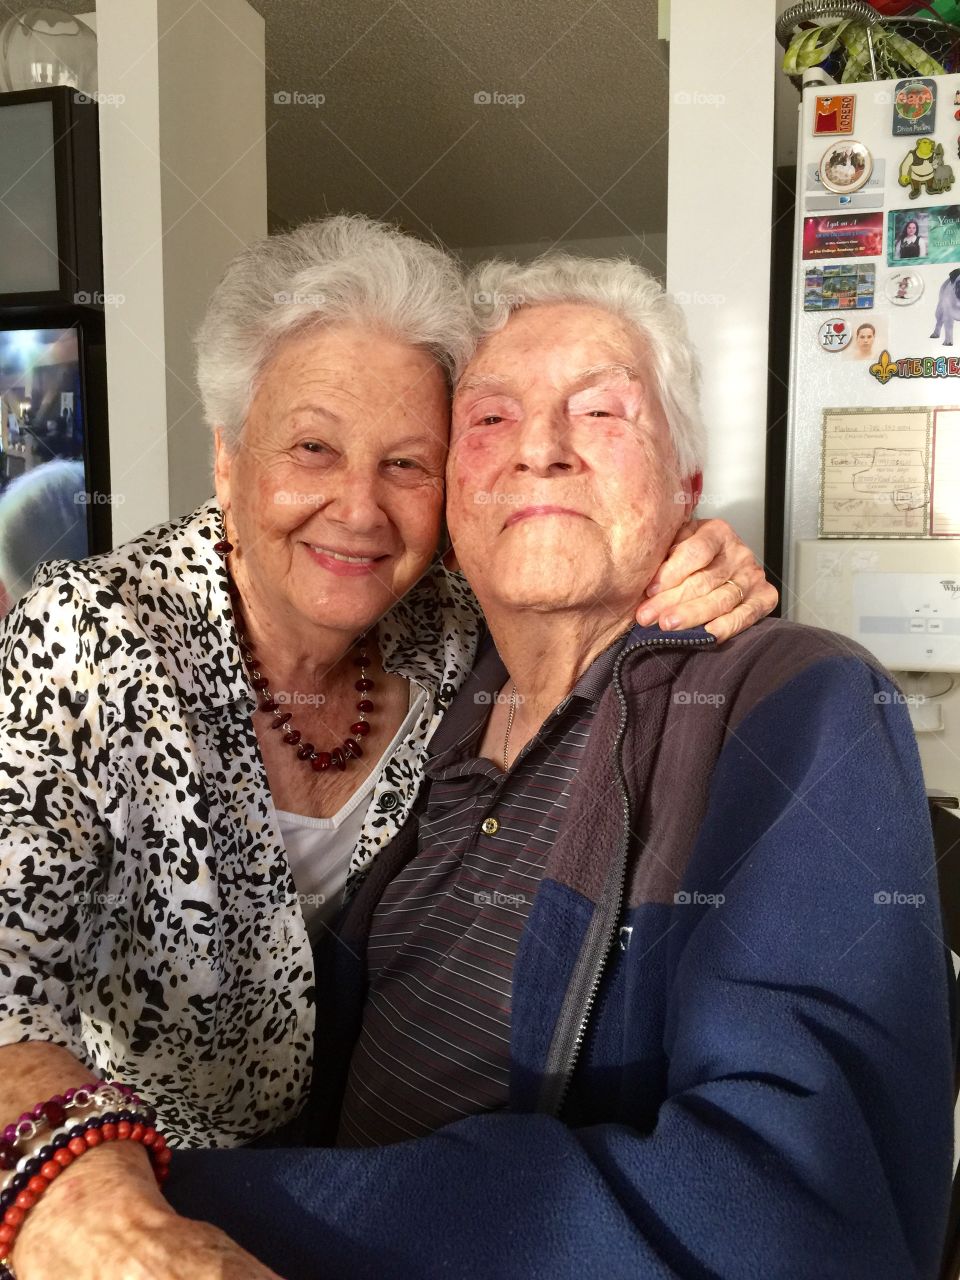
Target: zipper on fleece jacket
571	1029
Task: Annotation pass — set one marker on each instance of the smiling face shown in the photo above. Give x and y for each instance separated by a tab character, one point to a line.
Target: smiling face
334	495
562	485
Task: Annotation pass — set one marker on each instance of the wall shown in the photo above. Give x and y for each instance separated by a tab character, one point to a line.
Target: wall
650	250
720	193
214	195
183	184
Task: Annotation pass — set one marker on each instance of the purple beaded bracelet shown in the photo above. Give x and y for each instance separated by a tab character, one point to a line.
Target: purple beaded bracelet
52	1114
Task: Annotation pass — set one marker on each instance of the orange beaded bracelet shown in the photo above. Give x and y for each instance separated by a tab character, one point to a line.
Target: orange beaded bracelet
35	1175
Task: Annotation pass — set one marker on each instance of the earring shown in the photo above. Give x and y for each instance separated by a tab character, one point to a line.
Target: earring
224	546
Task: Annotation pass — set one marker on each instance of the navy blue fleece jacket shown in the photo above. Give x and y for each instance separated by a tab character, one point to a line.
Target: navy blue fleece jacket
731	1054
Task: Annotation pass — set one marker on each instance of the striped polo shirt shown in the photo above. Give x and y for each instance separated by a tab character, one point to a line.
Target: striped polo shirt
435	1041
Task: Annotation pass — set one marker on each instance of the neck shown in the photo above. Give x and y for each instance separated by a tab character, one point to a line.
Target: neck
298	655
547	653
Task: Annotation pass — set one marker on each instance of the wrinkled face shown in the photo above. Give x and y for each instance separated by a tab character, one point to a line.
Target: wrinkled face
335	492
562	484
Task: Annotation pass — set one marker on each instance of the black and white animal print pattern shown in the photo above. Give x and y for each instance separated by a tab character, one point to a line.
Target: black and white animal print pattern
148	917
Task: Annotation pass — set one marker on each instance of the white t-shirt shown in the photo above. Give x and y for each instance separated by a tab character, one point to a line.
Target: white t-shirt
320	849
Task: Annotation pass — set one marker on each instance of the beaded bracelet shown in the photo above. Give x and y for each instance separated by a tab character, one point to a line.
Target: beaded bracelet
33	1179
52	1114
40	1145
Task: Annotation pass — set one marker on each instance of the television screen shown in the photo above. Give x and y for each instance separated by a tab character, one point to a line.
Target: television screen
44	495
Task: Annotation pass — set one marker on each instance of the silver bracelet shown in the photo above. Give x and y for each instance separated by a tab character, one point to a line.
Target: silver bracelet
87	1102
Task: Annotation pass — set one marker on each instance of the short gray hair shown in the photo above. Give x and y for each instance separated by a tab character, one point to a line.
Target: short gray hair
346	268
497	289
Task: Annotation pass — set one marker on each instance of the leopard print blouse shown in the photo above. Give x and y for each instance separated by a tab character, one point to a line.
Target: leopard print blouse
149	921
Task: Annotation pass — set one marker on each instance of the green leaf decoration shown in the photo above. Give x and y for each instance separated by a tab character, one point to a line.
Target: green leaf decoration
895	56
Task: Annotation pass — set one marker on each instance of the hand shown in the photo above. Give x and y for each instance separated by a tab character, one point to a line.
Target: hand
114	1224
692	586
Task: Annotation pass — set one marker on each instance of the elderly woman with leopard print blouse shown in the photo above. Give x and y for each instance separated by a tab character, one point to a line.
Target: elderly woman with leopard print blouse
207	735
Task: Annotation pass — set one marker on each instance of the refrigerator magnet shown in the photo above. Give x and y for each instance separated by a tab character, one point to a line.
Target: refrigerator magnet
914	107
834	114
924	169
843	235
869	337
840	287
948	308
903	288
845	167
835	334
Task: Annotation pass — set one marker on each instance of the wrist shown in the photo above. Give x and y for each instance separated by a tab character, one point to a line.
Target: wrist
112	1184
112	1178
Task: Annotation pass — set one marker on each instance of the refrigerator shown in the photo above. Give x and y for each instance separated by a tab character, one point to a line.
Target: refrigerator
872	491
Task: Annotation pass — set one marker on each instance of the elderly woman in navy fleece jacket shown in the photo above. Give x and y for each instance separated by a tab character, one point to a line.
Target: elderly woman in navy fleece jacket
654	979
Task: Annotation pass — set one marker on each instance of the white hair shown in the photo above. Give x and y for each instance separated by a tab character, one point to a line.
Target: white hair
347	268
497	289
42	515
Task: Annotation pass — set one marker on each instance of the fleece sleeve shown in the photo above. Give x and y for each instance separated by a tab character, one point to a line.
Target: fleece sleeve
806	1130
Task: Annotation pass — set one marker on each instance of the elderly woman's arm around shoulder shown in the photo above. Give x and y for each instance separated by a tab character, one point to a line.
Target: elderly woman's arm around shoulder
106	1209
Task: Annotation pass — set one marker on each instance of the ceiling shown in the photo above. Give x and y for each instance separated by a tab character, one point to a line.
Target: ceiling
400	135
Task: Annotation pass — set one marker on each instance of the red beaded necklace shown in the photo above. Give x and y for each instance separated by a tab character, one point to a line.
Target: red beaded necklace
283	720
